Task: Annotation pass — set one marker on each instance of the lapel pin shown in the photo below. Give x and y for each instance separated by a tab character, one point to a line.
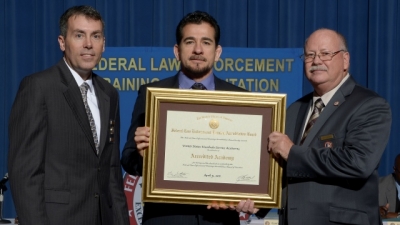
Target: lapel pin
111	134
336	103
328	144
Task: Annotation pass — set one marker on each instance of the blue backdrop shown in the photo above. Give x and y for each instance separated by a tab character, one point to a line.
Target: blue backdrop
260	70
29	30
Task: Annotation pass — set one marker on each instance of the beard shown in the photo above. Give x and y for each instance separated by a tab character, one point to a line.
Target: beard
196	72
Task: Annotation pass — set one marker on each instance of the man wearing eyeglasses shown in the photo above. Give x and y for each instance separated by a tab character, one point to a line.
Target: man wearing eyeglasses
335	137
389	192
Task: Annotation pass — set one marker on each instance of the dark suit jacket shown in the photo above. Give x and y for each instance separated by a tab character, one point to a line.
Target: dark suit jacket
132	162
55	175
388	192
332	178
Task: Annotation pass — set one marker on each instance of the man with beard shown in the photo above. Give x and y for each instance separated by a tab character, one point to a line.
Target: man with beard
197	48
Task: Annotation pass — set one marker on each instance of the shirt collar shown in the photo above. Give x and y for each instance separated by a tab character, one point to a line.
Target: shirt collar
327	96
79	79
186	83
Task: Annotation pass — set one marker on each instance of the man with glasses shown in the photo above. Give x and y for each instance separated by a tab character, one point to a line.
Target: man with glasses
389	192
334	140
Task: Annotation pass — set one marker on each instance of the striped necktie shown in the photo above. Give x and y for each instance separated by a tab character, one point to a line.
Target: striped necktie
84	89
318	106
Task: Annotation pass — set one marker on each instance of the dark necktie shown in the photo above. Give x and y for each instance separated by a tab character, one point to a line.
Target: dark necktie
318	106
84	89
198	86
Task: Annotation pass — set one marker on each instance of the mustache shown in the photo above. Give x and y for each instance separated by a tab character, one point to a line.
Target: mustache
321	68
197	57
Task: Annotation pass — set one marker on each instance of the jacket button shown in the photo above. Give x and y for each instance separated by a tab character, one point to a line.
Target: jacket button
96	195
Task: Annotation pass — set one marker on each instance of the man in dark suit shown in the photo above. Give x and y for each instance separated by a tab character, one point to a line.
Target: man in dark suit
63	159
333	147
197	48
389	192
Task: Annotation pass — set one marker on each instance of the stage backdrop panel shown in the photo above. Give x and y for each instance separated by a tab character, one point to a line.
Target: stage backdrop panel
254	69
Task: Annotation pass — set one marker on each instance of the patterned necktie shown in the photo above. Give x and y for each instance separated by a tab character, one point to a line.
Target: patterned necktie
318	106
84	89
198	86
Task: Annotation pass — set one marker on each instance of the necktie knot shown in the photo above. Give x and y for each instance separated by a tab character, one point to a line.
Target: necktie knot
84	88
198	86
319	104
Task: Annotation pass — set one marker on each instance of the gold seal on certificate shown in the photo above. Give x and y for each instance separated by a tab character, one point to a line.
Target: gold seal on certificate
214	124
210	146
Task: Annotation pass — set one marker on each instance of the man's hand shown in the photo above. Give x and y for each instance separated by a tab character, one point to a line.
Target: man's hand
279	144
246	206
142	136
385	214
221	205
383	210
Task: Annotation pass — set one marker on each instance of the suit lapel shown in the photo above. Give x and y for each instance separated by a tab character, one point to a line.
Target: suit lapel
336	101
391	190
73	97
219	84
103	101
299	128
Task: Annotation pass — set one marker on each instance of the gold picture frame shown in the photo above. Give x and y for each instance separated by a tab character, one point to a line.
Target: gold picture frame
262	111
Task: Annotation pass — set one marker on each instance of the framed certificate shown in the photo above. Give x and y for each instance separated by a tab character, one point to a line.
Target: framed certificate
211	146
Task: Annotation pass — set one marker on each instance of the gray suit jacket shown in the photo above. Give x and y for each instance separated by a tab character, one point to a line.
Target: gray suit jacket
132	162
387	192
56	177
332	178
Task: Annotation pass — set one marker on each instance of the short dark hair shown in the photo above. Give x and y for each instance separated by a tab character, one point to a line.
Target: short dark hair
197	17
85	10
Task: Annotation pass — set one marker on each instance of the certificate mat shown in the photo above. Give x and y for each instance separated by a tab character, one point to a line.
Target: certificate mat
211	146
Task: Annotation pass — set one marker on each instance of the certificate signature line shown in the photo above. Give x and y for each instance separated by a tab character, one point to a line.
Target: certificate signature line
177	174
244	178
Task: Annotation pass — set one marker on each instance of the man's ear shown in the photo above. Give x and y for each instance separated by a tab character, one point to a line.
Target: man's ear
104	44
61	42
176	52
346	60
218	52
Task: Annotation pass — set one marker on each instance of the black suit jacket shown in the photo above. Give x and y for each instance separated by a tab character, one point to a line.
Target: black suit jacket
132	162
332	178
56	177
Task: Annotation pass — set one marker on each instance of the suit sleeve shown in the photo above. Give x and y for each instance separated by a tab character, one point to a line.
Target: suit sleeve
363	137
120	209
27	137
131	160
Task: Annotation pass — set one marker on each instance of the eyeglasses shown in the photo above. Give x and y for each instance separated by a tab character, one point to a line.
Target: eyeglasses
323	56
